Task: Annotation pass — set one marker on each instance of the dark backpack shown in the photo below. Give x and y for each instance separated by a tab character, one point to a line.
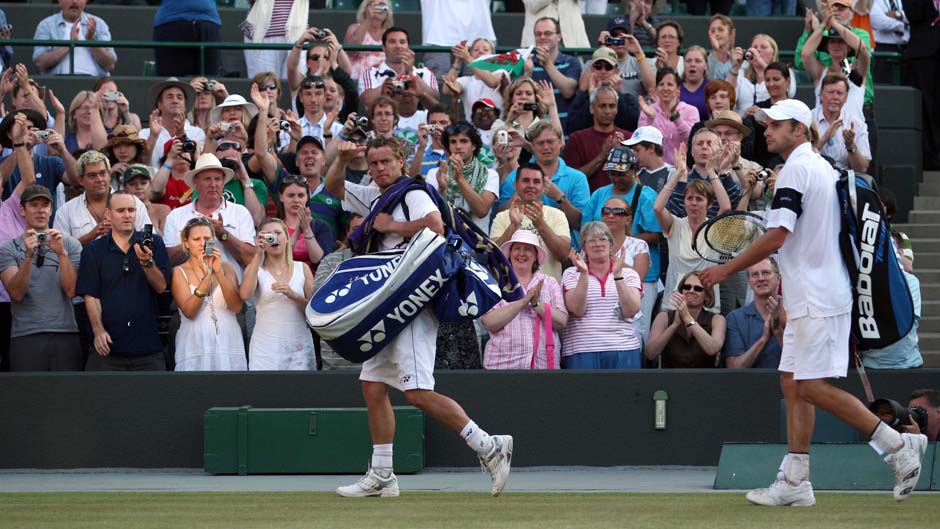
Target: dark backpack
883	311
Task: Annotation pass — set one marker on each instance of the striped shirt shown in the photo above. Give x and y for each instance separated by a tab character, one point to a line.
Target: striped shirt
511	347
603	327
569	67
279	16
375	76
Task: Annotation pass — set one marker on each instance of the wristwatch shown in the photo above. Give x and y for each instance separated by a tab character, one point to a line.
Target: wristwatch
147	264
249	184
561	199
692	323
224	236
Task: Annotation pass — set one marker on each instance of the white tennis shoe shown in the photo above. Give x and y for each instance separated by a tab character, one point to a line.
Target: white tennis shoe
782	493
906	463
498	461
371	485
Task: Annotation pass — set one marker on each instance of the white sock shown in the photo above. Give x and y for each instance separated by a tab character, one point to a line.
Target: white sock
885	440
476	438
382	456
796	468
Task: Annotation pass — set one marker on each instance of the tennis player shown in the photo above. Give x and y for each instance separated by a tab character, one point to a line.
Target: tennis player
803	225
407	363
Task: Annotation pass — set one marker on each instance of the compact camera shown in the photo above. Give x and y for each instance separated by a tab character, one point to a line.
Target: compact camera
502	137
43	135
384	7
226	127
748	56
534	107
283	125
209	86
431	129
762	175
187	145
615	41
42	237
111	95
229	163
147	240
269	238
320	34
209	248
362	121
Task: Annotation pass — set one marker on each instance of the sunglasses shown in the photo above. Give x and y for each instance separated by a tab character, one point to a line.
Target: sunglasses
313	84
316	57
294	180
696	288
271	86
622	212
226	145
458	128
602	65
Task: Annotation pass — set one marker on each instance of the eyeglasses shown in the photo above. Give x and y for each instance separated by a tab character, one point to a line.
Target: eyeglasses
596	240
540	34
272	86
621	212
458	128
602	65
696	288
226	145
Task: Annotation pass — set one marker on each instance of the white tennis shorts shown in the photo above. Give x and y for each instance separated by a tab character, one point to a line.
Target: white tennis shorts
816	348
408	361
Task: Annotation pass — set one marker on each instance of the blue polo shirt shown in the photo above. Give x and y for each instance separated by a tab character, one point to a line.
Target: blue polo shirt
573	184
128	303
570	67
745	325
49	171
644	219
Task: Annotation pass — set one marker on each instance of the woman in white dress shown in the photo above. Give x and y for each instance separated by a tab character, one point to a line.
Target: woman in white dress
280	287
206	290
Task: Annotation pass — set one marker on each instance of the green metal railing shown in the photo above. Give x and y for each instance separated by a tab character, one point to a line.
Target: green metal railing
893	57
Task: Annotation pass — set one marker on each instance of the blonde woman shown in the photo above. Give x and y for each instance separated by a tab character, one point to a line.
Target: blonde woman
748	69
522	92
86	129
372	19
206	290
280	287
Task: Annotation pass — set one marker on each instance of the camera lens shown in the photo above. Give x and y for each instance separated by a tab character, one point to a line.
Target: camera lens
748	56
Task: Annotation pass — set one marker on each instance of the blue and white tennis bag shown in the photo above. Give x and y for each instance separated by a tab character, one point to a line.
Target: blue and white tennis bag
883	311
471	291
369	299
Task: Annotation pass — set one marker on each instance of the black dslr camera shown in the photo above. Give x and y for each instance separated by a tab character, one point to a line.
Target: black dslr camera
187	145
896	415
147	240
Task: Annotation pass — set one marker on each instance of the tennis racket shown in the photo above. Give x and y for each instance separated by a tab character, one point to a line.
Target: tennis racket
724	237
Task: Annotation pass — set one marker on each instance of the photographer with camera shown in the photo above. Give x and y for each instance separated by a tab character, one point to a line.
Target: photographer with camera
242	189
170	100
920	416
399	62
637	73
83	217
929	400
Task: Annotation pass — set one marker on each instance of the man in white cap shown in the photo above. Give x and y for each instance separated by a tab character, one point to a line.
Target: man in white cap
804	220
652	169
231	223
170	100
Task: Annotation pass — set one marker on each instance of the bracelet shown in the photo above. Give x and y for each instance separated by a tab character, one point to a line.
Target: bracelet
692	323
147	264
308	238
199	294
15	145
618	278
167	166
669	188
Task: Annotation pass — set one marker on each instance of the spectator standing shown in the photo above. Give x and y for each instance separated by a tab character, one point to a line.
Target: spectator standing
187	21
669	38
721	35
527	211
599	334
328	357
40	275
449	23
642	23
892	32
672	117
274	22
120	280
569	25
206	290
603	72
479	84
843	136
73	23
755	331
518	330
399	62
840	44
463	180
311	165
84	217
587	150
548	64
170	100
85	128
637	74
308	238
688	336
749	82
372	19
137	180
280	287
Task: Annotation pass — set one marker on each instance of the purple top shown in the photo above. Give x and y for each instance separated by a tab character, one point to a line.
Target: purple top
12	225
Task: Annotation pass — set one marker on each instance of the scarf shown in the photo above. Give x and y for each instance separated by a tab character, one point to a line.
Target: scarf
474	172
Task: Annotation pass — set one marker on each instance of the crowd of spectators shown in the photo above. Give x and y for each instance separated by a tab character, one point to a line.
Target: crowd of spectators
192	239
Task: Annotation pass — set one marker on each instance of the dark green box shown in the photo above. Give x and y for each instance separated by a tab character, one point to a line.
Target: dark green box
250	440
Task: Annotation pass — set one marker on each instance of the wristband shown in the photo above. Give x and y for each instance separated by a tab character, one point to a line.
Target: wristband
15	145
341	137
308	238
167	166
692	323
618	278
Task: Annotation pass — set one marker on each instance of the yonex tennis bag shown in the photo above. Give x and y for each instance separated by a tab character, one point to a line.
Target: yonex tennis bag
369	299
471	290
883	311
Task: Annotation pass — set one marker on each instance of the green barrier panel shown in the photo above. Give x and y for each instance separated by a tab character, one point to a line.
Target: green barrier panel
833	466
250	440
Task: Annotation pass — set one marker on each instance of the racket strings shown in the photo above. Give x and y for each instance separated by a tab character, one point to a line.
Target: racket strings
732	234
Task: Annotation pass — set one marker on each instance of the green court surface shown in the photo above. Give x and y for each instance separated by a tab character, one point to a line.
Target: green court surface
412	510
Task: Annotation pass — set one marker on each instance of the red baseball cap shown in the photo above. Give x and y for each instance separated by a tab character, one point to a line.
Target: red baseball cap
169	143
485	101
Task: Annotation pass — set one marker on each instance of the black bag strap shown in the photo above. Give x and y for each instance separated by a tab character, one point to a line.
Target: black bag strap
636	197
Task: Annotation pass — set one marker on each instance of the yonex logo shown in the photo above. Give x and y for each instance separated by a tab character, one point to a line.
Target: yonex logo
336	294
469	306
405	379
375	334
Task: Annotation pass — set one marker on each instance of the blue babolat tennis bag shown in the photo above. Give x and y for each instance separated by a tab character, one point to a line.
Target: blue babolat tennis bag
369	299
883	311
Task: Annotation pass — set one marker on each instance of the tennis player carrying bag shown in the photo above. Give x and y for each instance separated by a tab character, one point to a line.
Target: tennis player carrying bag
883	311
